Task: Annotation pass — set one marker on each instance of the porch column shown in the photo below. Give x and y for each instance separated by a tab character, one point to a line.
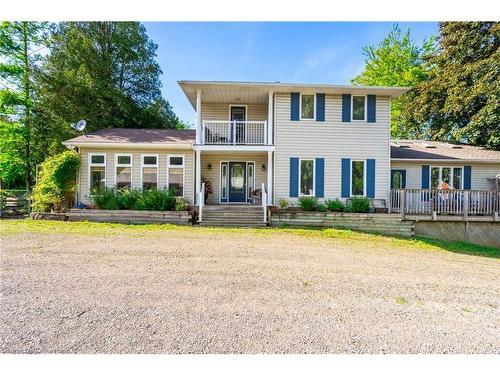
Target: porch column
270	118
270	178
198	117
198	177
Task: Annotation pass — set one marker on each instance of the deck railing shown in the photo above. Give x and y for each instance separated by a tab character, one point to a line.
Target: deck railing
234	132
444	202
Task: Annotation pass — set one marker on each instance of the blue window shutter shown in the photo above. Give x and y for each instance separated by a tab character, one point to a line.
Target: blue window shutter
294	108
346	178
346	107
320	178
425	177
372	105
467	177
294	177
370	178
320	107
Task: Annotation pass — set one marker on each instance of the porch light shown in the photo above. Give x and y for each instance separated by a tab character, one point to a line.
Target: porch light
209	166
263	167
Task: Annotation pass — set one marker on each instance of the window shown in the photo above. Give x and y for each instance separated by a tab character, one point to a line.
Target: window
307	106
97	171
250	179
358	178
123	171
397	180
446	178
358	108
176	174
306	173
223	180
149	171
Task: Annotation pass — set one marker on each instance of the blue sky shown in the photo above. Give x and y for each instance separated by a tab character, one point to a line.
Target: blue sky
258	51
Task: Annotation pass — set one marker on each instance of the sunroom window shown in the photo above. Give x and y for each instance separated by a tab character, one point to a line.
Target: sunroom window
149	171
97	171
176	174
123	171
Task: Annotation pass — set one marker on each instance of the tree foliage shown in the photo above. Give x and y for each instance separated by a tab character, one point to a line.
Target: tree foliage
20	47
105	73
57	182
396	61
461	99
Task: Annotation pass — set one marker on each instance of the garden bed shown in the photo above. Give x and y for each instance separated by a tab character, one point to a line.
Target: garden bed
130	216
391	224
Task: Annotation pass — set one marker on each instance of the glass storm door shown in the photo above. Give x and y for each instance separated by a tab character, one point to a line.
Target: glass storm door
237	182
238	114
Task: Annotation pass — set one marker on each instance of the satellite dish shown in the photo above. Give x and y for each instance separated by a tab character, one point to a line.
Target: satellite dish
79	126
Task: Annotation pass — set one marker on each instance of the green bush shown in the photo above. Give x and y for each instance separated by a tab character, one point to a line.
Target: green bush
282	203
358	204
308	203
105	198
321	208
131	199
335	205
56	184
181	204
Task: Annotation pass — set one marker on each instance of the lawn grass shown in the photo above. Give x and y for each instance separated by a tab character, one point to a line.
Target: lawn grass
13	227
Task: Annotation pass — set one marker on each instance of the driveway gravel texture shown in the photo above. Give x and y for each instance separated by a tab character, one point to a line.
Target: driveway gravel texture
208	290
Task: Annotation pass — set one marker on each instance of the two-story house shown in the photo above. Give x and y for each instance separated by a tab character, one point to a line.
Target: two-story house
257	141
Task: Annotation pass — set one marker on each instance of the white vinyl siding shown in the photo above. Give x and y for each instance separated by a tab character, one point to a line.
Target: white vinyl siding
332	140
479	173
136	168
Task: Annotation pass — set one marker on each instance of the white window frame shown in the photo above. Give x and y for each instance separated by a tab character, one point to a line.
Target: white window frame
157	165
95	165
364	178
238	105
314	107
253	186
124	165
223	183
314	177
183	167
352	108
440	176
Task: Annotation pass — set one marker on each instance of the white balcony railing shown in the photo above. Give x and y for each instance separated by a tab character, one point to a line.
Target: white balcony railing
234	132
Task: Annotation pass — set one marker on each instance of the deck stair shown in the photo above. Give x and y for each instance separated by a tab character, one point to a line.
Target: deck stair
231	215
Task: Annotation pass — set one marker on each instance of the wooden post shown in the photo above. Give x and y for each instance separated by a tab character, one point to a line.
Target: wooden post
466	205
198	117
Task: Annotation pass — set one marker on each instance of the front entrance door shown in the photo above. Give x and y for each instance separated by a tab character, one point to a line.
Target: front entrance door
237	182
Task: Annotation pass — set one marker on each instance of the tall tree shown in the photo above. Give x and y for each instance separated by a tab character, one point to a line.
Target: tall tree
461	100
106	73
397	61
21	44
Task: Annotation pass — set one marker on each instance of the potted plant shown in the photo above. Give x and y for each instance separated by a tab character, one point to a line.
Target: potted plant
208	188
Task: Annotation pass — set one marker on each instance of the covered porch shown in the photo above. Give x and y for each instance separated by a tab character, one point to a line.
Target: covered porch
234	177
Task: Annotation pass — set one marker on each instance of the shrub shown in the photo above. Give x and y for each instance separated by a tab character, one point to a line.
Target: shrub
181	204
127	198
156	200
321	208
335	205
358	204
57	182
282	203
105	198
308	203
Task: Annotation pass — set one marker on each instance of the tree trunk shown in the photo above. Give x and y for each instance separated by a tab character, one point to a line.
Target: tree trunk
27	105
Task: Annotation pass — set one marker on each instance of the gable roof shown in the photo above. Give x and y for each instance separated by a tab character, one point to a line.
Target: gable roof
434	150
133	137
258	92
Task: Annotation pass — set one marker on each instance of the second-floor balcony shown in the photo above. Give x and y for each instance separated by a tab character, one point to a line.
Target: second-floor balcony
234	132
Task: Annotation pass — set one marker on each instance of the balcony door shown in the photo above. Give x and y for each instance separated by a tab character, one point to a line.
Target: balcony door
239	115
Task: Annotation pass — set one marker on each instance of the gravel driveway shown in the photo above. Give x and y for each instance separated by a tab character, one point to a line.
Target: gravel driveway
219	291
